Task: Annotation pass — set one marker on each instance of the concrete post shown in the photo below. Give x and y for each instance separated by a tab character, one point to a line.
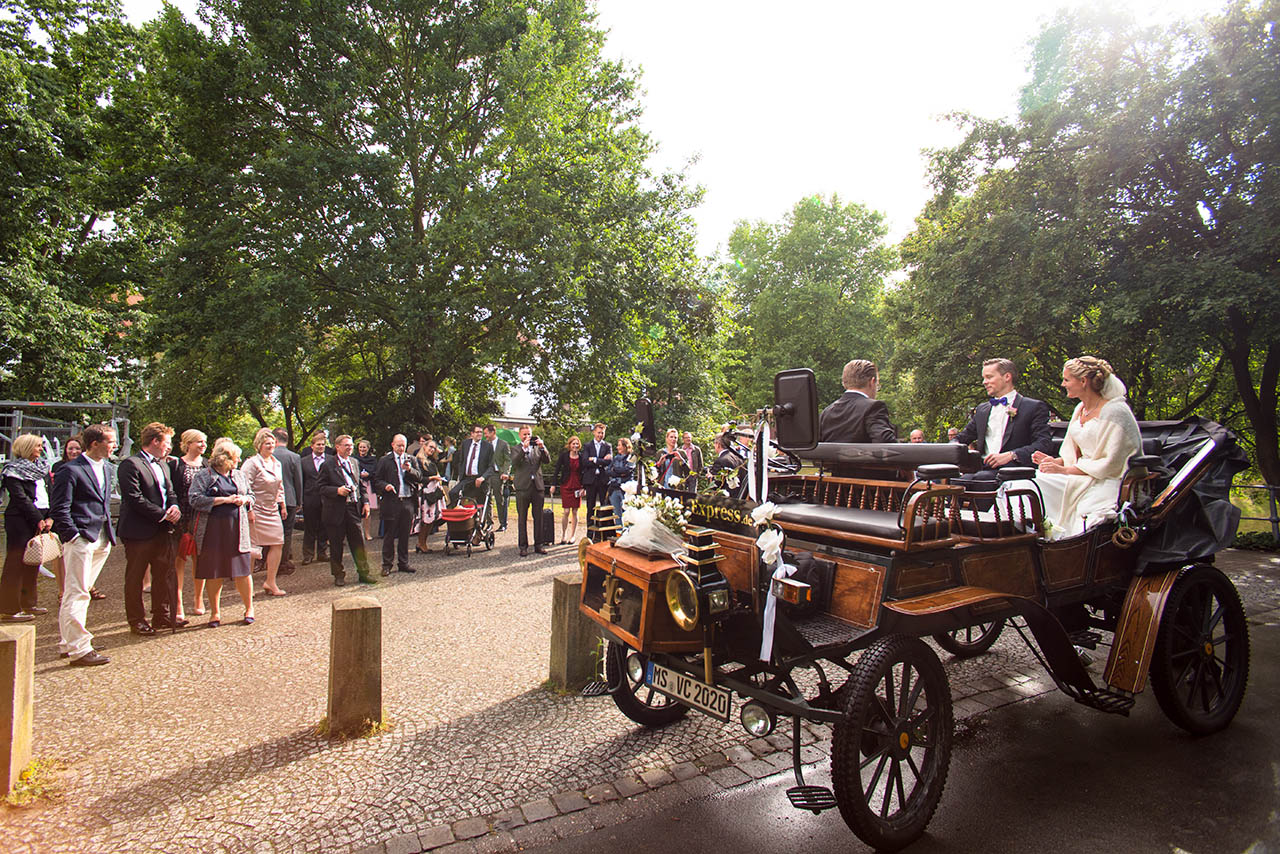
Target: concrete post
573	636
17	674
355	664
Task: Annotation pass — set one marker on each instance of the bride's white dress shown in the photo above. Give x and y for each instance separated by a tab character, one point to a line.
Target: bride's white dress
1101	448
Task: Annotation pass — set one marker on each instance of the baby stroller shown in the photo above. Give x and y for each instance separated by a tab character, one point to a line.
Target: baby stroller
469	524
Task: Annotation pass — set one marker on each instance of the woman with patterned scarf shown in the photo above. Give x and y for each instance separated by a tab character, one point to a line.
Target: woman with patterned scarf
26	479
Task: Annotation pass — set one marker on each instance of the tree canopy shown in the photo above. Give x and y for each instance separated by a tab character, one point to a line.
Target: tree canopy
1130	212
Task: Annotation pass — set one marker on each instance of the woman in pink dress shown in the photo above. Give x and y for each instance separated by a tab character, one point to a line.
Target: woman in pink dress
266	485
569	476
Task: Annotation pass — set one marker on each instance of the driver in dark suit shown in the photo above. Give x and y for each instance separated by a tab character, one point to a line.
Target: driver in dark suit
856	415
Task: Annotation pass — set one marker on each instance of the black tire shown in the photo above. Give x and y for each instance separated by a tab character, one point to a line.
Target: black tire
896	723
971	640
1200	665
635	699
488	541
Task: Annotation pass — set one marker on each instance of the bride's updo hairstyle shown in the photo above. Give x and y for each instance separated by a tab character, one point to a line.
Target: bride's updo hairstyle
1090	370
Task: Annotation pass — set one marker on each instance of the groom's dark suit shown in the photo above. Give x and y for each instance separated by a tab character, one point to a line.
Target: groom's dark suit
1024	433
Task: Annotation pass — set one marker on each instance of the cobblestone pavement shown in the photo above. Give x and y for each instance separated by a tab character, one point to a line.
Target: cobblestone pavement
205	740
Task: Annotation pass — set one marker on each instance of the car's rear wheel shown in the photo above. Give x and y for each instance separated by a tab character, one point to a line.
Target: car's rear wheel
625	670
1200	665
971	640
892	745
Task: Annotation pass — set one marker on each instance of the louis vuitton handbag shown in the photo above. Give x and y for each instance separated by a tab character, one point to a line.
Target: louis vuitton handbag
42	548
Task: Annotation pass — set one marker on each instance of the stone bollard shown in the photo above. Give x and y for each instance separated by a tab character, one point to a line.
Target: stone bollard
17	674
573	636
355	665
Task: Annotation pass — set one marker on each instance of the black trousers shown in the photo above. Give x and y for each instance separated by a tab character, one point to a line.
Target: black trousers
290	519
525	501
156	553
397	518
18	582
466	486
597	493
313	529
348	528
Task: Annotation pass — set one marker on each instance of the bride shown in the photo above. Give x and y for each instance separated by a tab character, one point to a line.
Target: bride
1080	487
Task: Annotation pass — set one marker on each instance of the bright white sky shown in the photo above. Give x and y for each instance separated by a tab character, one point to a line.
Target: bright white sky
782	101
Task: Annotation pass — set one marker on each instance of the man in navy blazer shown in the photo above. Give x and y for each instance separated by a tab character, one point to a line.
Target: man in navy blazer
148	511
596	456
1008	427
80	507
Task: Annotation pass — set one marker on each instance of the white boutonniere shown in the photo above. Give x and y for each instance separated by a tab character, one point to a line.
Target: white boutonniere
1013	412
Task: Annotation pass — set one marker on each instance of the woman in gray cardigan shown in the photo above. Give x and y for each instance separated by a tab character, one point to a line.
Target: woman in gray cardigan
220	496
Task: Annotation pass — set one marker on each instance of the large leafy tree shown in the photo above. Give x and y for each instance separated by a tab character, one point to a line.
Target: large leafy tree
1130	211
77	143
417	201
807	290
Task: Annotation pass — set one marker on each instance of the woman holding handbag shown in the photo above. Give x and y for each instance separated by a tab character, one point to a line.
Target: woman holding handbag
182	471
568	476
221	495
26	479
431	496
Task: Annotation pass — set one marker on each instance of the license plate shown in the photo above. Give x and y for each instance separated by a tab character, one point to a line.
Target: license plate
710	699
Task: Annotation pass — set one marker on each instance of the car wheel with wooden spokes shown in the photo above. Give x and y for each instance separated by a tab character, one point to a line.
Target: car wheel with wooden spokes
1200	665
971	640
625	670
892	746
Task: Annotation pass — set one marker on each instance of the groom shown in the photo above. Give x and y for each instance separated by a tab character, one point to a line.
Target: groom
1009	427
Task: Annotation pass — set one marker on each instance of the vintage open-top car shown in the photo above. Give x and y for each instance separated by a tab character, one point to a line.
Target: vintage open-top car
820	617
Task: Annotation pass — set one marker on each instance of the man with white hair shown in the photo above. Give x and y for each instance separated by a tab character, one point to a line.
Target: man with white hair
396	478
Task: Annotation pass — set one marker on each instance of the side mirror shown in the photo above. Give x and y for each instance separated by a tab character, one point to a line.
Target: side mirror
795	409
644	417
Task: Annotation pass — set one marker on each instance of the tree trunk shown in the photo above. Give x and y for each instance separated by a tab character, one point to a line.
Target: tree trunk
1260	403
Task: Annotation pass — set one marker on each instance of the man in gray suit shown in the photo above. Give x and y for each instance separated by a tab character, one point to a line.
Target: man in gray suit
291	471
526	476
501	472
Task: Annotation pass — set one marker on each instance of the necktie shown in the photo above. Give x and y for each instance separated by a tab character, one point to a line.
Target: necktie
319	460
471	458
999	401
400	471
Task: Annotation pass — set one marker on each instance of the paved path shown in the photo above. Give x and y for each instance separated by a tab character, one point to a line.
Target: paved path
204	740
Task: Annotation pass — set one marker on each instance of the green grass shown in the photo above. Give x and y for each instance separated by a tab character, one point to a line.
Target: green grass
1252	502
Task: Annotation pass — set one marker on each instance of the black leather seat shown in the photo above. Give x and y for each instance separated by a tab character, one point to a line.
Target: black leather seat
850	520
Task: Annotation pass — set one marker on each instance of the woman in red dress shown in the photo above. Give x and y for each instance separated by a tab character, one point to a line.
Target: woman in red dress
569	476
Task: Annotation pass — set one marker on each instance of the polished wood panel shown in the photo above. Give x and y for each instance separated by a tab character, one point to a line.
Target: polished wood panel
1135	637
1112	563
1066	565
643	582
934	603
1006	570
909	579
740	564
856	591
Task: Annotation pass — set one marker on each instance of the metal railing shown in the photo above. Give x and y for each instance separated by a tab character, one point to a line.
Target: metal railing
1274	518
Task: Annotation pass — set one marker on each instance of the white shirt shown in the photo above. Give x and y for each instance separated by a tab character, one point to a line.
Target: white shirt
404	490
159	473
344	466
472	459
997	421
100	470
